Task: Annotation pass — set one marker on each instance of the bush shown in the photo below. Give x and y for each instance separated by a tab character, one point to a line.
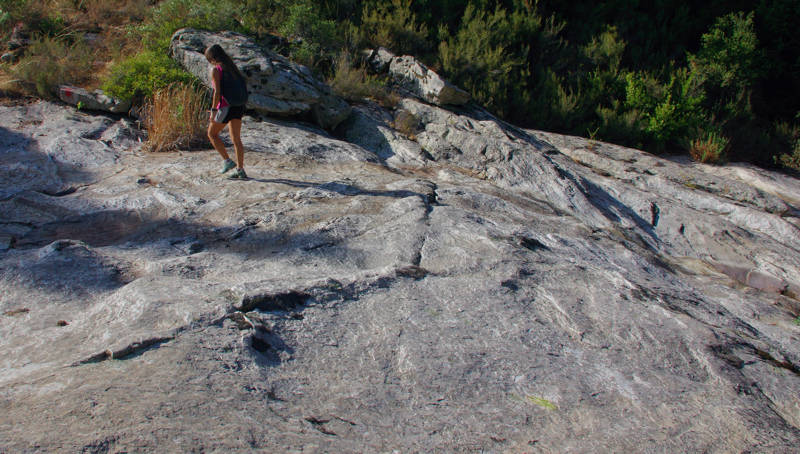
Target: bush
171	15
50	62
354	84
313	39
176	116
670	111
12	11
789	135
393	25
728	64
709	147
141	75
476	58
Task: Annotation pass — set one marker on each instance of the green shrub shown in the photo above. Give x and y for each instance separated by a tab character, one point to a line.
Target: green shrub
728	64
605	50
789	135
729	54
669	111
393	25
13	10
488	56
140	75
619	125
171	15
49	62
313	39
37	16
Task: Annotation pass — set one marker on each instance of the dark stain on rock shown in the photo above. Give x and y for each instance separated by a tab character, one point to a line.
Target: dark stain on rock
532	244
284	301
260	345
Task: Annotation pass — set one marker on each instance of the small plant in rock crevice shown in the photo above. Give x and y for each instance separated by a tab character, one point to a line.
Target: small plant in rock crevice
406	123
710	147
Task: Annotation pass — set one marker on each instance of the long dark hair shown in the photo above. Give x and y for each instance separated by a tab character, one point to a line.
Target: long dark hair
216	53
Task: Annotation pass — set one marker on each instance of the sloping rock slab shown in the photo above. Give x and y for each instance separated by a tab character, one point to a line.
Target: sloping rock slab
277	86
333	304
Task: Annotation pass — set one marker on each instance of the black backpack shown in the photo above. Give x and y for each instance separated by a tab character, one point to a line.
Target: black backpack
234	89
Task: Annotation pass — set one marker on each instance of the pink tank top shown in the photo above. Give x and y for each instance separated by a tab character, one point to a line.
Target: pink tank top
222	102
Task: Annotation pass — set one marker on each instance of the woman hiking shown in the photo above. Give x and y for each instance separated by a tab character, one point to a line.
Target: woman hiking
230	96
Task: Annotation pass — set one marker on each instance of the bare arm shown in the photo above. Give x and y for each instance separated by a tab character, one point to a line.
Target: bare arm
216	79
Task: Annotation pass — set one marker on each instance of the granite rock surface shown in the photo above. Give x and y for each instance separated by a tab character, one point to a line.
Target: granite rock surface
470	287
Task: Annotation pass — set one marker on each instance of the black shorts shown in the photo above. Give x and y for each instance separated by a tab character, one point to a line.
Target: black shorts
229	113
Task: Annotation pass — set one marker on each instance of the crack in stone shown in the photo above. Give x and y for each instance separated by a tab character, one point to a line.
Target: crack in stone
126	352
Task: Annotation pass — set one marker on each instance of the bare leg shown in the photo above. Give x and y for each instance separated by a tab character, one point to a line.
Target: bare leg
235	128
214	129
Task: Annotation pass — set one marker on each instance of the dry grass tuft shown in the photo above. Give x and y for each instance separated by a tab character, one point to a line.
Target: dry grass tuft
710	148
354	84
176	117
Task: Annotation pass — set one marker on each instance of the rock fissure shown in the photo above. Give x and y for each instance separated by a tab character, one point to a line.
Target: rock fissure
127	352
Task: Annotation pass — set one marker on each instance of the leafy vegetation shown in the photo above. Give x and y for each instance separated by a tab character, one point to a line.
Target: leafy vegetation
140	75
50	62
717	80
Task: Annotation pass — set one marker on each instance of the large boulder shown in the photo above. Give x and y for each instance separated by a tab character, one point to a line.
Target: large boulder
418	79
277	85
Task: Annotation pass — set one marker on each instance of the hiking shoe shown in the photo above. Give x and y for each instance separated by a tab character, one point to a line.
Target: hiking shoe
238	175
229	164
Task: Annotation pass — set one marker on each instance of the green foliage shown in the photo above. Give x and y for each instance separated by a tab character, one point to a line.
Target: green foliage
13	10
729	55
605	50
140	75
51	26
393	25
728	64
38	19
670	111
313	38
789	135
50	62
714	76
170	15
489	56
